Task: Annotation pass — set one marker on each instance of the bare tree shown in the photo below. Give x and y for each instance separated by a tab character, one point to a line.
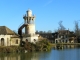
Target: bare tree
37	31
41	32
44	32
77	29
61	27
49	31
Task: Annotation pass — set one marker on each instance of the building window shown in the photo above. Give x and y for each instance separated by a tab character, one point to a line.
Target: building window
63	41
66	36
2	41
26	40
17	41
34	40
56	41
59	36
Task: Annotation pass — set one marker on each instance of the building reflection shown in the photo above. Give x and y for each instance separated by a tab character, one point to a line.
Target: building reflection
21	56
4	56
66	46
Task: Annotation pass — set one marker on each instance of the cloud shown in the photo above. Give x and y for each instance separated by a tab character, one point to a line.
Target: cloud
47	3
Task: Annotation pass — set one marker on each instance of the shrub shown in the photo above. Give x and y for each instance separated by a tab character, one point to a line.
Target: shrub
11	49
42	45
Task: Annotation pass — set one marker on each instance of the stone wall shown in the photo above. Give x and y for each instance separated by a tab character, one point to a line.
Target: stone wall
15	41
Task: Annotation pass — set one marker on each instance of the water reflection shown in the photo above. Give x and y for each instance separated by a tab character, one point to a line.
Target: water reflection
54	54
4	56
66	46
24	56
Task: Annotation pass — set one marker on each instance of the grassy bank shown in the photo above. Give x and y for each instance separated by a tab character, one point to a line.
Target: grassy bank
11	49
43	45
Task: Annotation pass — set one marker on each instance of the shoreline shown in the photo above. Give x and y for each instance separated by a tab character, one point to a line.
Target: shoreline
43	45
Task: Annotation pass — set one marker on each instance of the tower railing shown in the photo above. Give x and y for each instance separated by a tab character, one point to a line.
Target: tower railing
20	25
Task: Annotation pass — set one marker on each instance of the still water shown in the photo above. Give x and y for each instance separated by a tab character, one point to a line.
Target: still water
65	54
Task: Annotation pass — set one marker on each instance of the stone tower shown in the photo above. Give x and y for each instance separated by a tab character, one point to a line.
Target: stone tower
29	21
29	26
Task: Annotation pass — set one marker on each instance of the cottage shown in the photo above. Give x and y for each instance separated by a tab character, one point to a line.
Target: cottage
8	37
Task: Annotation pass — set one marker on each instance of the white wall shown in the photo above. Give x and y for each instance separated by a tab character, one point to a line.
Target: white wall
31	39
13	41
6	39
59	39
30	29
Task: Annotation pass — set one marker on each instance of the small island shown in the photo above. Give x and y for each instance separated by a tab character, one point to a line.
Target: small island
19	42
32	40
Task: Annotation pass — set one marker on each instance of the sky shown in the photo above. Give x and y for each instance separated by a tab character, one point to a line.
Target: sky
48	13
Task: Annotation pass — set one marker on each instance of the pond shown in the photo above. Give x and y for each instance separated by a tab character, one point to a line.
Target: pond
54	54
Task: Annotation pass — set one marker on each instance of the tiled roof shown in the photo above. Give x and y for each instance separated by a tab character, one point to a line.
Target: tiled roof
15	36
5	30
62	32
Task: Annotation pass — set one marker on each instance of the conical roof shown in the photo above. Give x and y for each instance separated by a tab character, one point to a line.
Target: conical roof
5	30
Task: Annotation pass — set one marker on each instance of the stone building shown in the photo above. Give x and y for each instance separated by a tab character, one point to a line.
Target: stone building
8	37
65	36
